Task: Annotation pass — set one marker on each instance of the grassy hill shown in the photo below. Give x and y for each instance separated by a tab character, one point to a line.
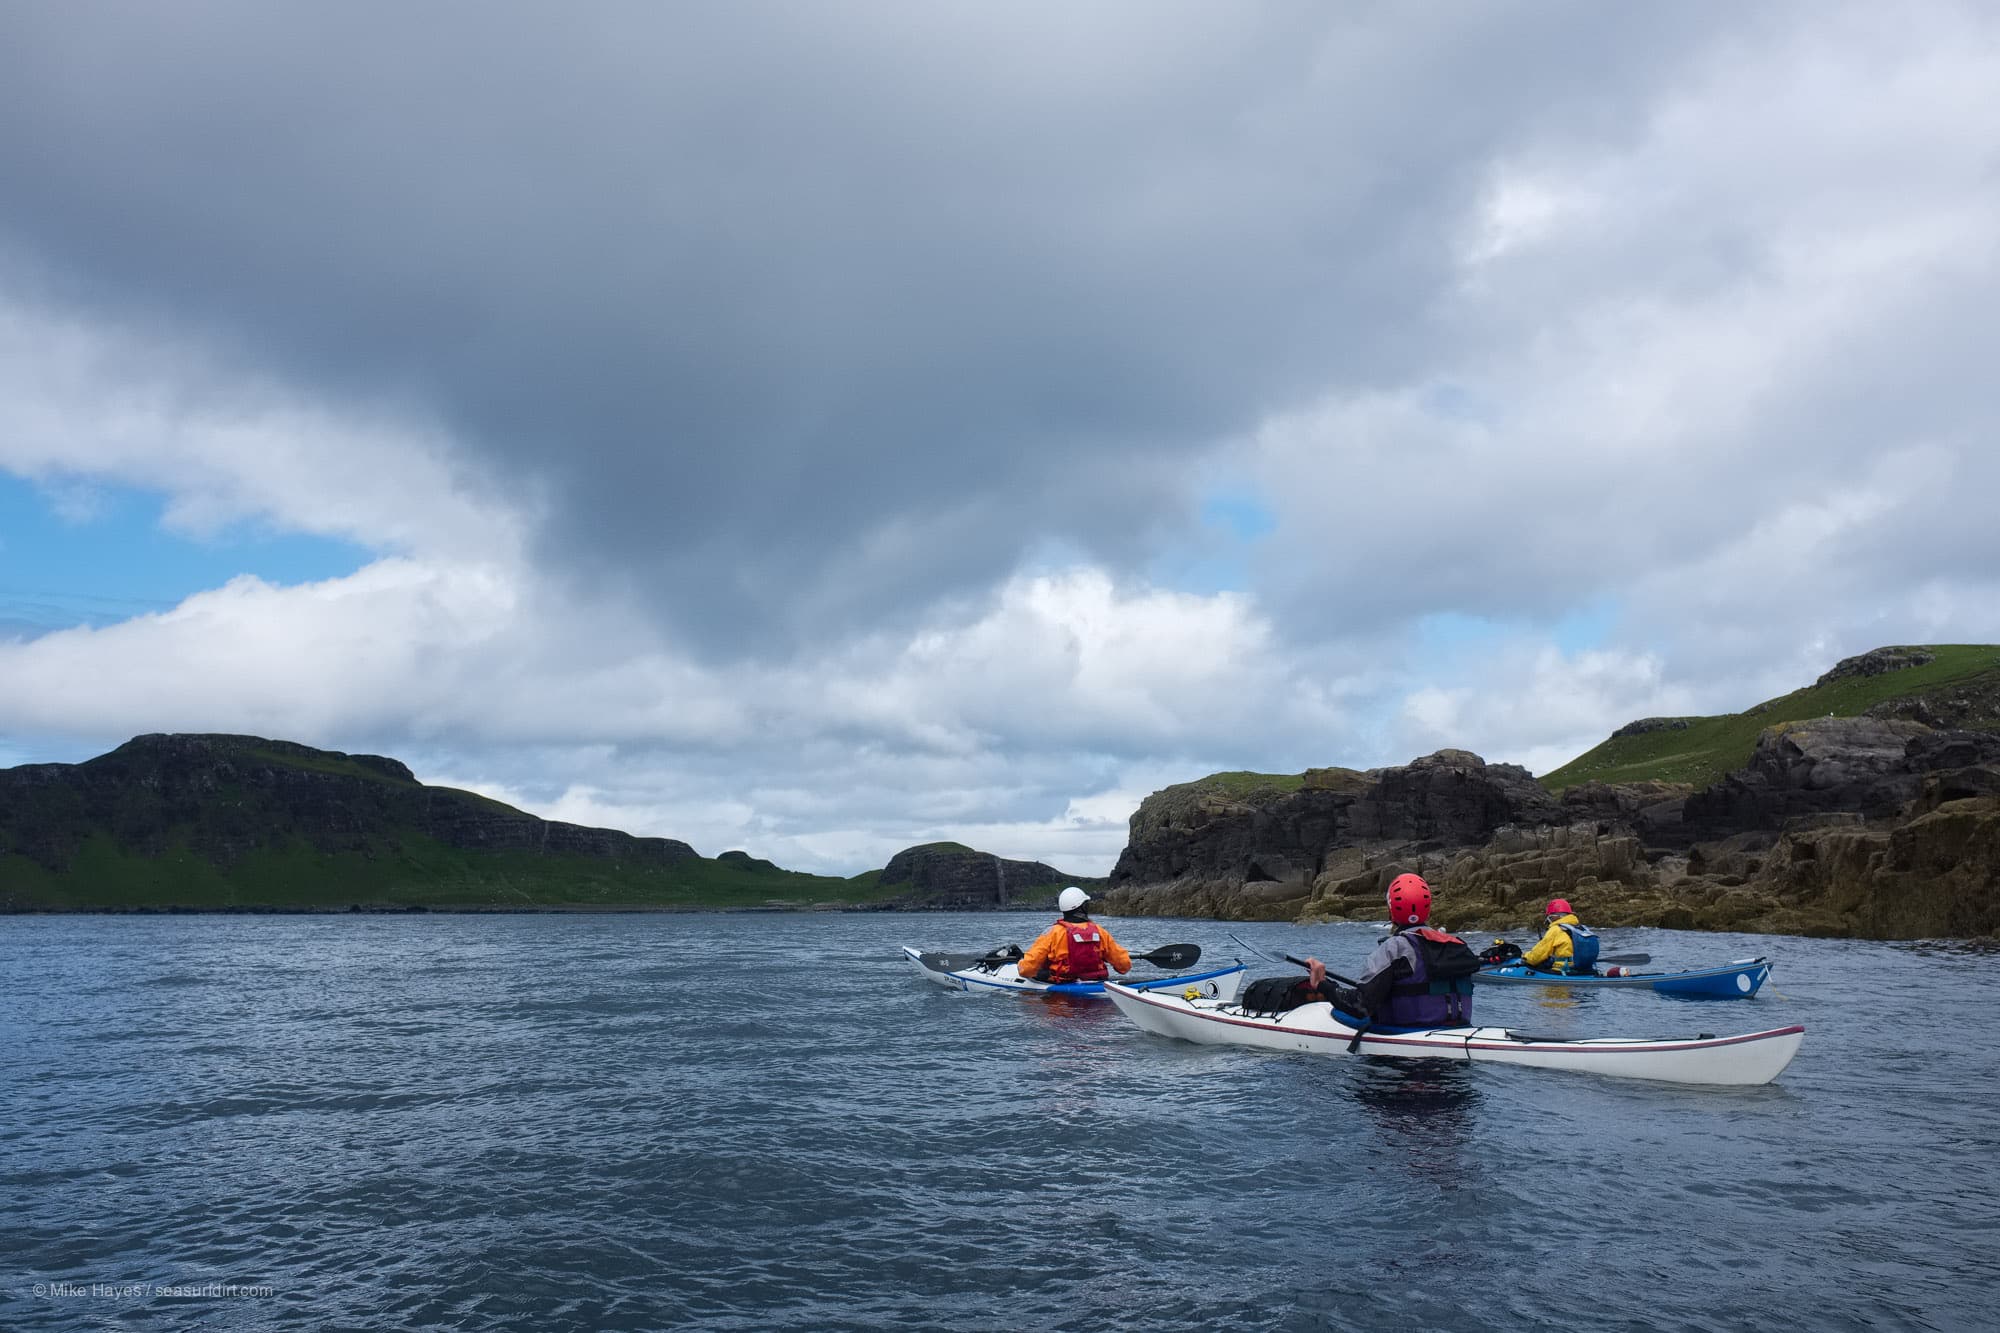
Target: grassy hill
213	822
1705	748
419	873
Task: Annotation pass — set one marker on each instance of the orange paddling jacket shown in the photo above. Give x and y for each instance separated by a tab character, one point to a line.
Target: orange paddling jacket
1052	951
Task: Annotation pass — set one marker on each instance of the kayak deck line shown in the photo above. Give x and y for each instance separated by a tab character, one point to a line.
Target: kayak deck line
1481	1038
1741	1059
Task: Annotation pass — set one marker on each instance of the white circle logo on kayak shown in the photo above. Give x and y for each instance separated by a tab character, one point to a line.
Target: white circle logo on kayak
1743	982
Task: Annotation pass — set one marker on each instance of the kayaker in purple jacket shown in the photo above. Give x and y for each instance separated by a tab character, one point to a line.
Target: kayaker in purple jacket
1399	985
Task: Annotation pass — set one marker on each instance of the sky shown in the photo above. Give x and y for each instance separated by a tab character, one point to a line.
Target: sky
818	430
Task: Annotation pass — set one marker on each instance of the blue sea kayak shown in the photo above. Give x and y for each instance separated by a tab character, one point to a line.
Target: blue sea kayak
1736	980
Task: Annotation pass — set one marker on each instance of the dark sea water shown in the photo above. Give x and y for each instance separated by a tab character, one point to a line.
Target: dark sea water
750	1121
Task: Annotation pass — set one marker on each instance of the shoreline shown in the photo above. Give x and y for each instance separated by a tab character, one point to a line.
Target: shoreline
1978	943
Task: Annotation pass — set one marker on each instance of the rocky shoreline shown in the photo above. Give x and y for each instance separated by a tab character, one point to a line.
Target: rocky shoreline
1841	827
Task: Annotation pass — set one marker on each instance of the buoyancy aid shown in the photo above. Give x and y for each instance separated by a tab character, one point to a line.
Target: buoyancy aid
1085	957
1583	949
1444	968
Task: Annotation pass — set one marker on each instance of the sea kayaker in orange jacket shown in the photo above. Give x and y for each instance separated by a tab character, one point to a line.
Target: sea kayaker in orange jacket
1075	948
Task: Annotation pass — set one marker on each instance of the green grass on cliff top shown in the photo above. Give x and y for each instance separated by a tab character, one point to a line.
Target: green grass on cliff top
1711	747
1241	783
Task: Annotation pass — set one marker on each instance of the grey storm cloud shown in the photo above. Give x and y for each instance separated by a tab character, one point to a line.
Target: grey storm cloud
793	318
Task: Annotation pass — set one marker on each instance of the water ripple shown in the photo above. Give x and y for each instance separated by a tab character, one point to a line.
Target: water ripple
638	1122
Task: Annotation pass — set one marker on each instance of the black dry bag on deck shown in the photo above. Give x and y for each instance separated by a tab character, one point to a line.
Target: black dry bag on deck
1274	995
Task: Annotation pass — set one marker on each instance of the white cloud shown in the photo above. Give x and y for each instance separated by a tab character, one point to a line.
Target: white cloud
84	401
984	731
715	526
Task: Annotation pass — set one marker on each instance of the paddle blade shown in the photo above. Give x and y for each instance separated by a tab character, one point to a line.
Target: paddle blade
965	962
1174	957
948	962
1625	958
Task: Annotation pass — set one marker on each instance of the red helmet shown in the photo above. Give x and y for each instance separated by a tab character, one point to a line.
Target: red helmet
1409	900
1559	907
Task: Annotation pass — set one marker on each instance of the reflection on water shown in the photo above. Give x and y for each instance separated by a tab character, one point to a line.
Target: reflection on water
1068	1011
1422	1113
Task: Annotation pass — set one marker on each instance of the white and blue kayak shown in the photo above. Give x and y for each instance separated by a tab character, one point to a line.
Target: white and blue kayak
1737	980
984	975
1319	1029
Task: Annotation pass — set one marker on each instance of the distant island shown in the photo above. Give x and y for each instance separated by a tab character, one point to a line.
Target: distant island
242	823
1866	804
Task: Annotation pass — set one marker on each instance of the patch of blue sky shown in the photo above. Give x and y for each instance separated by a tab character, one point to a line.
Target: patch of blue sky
1587	627
99	554
1458	402
1239	513
1232	522
1575	631
1445	632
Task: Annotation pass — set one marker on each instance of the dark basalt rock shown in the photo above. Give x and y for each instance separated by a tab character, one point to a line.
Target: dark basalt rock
1838	826
1266	855
1876	662
1972	704
1448	799
1855	764
1646	725
948	876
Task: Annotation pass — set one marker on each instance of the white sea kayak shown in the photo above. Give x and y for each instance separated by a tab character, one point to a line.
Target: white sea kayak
1751	1058
958	973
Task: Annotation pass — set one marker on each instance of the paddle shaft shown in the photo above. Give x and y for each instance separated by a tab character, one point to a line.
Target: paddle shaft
1624	959
1353	1042
1169	957
1331	976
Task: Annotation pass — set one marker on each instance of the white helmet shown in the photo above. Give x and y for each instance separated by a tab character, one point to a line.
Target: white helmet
1071	899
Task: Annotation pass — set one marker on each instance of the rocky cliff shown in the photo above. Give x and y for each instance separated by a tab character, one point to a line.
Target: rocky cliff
1262	853
947	875
1878	825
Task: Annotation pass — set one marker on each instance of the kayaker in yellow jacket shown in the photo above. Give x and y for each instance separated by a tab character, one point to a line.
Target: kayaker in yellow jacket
1568	946
1075	948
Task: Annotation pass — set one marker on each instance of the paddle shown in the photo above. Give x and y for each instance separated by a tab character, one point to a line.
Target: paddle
961	962
1492	957
1354	1042
1171	957
1168	957
1331	976
1608	960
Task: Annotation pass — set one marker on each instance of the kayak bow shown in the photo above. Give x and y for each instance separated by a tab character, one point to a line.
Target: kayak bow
1317	1028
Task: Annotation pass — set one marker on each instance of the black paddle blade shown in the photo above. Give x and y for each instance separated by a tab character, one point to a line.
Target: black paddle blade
1626	958
948	962
1174	957
965	962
